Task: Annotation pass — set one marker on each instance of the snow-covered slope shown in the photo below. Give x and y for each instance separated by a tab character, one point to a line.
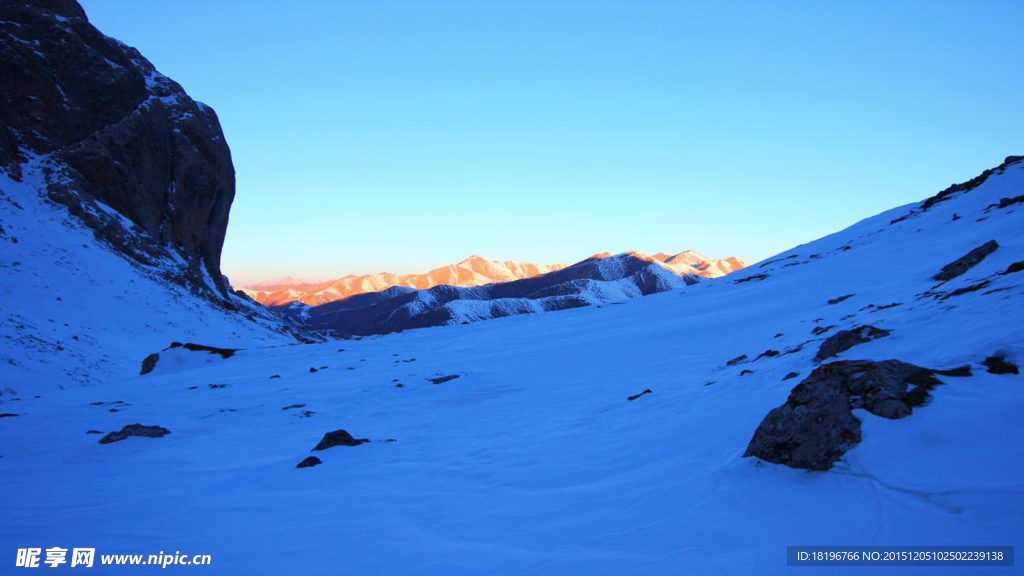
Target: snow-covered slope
533	460
73	312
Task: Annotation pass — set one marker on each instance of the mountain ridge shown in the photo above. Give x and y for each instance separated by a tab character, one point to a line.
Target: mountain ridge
474	270
600	279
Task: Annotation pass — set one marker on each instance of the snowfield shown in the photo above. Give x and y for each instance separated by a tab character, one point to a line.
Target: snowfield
533	460
72	312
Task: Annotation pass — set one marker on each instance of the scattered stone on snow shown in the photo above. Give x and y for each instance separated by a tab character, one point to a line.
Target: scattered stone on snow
339	438
309	462
635	396
736	360
135	430
998	364
846	339
966	262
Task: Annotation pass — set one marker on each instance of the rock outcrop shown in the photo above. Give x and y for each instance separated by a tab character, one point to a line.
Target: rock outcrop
846	339
135	430
816	425
966	262
117	134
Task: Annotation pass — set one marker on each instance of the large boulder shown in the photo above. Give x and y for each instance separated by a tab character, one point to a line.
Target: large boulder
816	425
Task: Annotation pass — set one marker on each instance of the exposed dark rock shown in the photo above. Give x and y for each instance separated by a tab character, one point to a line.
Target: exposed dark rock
275	376
745	372
967	289
790	376
752	277
958	372
8	415
129	137
839	299
1006	202
966	262
846	339
1000	365
635	396
795	349
338	438
736	360
962	187
149	363
293	406
819	330
217	386
816	426
222	352
135	430
309	462
93	432
767	354
311	369
443	379
1015	267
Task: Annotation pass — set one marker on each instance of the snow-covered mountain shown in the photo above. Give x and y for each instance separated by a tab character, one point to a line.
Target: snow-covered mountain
600	279
595	440
275	283
704	266
473	271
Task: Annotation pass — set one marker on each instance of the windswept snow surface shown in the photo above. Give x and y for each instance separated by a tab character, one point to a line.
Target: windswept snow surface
73	312
533	461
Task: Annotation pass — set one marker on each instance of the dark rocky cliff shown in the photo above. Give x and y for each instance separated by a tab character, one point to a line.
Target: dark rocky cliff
118	132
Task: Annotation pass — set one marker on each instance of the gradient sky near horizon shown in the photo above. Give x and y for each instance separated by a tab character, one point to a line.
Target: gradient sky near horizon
399	136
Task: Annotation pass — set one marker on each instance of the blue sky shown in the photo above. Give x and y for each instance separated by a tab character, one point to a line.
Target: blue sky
398	136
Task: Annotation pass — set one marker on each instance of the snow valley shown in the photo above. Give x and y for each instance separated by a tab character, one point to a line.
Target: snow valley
623	414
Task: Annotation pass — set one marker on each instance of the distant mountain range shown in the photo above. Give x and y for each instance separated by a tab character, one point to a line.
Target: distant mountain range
473	271
600	279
